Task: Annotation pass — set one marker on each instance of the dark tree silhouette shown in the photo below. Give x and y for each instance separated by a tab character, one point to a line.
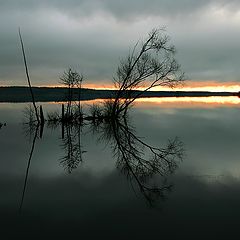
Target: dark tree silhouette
28	77
72	79
150	64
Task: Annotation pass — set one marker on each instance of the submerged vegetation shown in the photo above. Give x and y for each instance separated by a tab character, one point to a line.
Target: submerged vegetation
150	64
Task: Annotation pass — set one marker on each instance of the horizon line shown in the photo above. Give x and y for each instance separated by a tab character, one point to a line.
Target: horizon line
163	89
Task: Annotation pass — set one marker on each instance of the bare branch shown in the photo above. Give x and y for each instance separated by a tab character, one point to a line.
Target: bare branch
149	65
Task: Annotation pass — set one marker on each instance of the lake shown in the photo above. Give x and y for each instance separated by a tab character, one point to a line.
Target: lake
98	180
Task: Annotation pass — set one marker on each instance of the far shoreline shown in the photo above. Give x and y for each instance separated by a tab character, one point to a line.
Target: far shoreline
20	94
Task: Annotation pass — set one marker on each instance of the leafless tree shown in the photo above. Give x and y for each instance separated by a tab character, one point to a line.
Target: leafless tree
150	64
72	79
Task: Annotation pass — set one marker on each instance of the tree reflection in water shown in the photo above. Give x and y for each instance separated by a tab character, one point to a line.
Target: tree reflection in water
33	130
141	163
71	144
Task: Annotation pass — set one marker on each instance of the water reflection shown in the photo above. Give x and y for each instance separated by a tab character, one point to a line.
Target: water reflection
2	125
135	158
28	163
34	130
95	195
71	145
139	161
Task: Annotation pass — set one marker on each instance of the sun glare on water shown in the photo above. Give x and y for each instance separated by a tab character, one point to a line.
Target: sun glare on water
190	102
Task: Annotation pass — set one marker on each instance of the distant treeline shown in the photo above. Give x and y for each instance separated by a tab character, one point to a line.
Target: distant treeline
57	94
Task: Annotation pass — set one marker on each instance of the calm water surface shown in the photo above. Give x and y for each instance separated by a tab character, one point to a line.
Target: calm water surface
97	199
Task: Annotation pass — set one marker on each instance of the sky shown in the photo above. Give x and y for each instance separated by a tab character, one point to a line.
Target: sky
92	36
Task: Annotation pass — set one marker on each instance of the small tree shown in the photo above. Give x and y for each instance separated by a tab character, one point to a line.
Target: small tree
150	64
72	79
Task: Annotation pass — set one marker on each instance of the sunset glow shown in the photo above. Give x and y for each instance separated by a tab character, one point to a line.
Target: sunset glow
189	102
213	86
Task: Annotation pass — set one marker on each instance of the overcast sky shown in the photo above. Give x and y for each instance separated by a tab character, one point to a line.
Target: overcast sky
93	35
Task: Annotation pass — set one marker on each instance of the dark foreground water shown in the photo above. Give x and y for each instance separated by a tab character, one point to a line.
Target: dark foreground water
92	194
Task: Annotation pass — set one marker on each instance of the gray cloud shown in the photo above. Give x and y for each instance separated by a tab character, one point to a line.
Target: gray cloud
93	35
120	9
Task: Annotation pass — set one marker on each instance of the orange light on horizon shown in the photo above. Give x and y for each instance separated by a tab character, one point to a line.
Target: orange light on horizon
189	102
209	85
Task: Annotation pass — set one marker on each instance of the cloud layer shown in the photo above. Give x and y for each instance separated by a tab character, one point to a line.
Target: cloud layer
93	35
